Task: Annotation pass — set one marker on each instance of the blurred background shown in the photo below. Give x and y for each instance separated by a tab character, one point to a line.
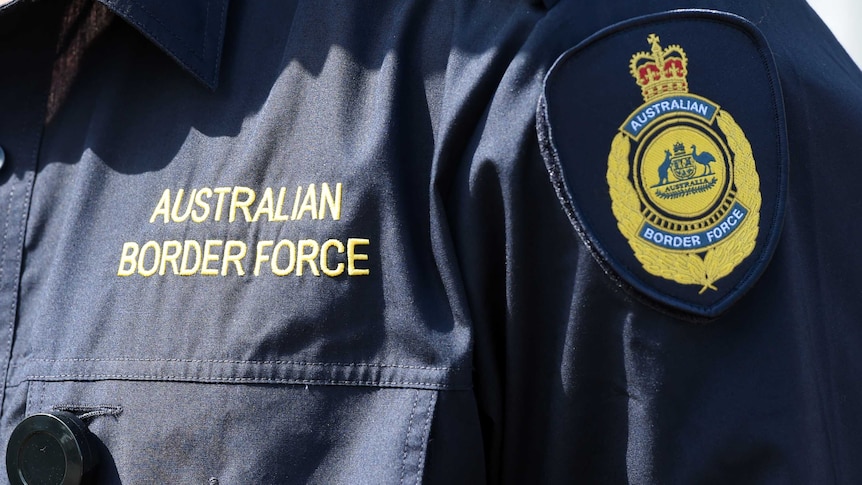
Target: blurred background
844	18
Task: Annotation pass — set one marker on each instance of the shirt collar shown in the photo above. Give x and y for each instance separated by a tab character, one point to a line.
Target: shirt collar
190	31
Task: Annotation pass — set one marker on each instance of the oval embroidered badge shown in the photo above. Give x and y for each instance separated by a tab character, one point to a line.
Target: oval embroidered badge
665	139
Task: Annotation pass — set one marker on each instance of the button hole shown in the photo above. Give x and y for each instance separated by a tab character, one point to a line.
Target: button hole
86	413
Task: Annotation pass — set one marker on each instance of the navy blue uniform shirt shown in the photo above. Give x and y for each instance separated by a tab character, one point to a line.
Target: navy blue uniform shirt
318	242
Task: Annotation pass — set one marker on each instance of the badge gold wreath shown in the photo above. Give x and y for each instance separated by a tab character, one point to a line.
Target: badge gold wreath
689	268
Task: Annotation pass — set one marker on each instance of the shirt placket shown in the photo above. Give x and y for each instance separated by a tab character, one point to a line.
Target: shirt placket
28	39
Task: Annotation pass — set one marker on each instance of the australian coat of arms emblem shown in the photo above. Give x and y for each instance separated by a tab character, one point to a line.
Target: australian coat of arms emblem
682	177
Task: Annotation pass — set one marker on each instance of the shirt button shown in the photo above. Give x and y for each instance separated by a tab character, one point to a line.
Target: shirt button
49	448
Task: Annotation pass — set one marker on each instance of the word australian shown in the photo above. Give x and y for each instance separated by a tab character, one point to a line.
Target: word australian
681	104
243	204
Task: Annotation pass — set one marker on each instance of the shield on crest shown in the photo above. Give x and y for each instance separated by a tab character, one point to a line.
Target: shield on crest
682	166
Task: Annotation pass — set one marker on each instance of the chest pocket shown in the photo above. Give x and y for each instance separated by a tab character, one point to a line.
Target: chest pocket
179	432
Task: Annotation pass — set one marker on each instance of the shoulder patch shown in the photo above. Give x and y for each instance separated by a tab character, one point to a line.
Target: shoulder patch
665	139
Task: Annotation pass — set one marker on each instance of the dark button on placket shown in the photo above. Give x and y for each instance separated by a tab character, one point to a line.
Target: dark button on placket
49	448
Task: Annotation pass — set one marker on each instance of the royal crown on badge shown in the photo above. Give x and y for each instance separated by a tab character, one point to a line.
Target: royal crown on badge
682	177
661	71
